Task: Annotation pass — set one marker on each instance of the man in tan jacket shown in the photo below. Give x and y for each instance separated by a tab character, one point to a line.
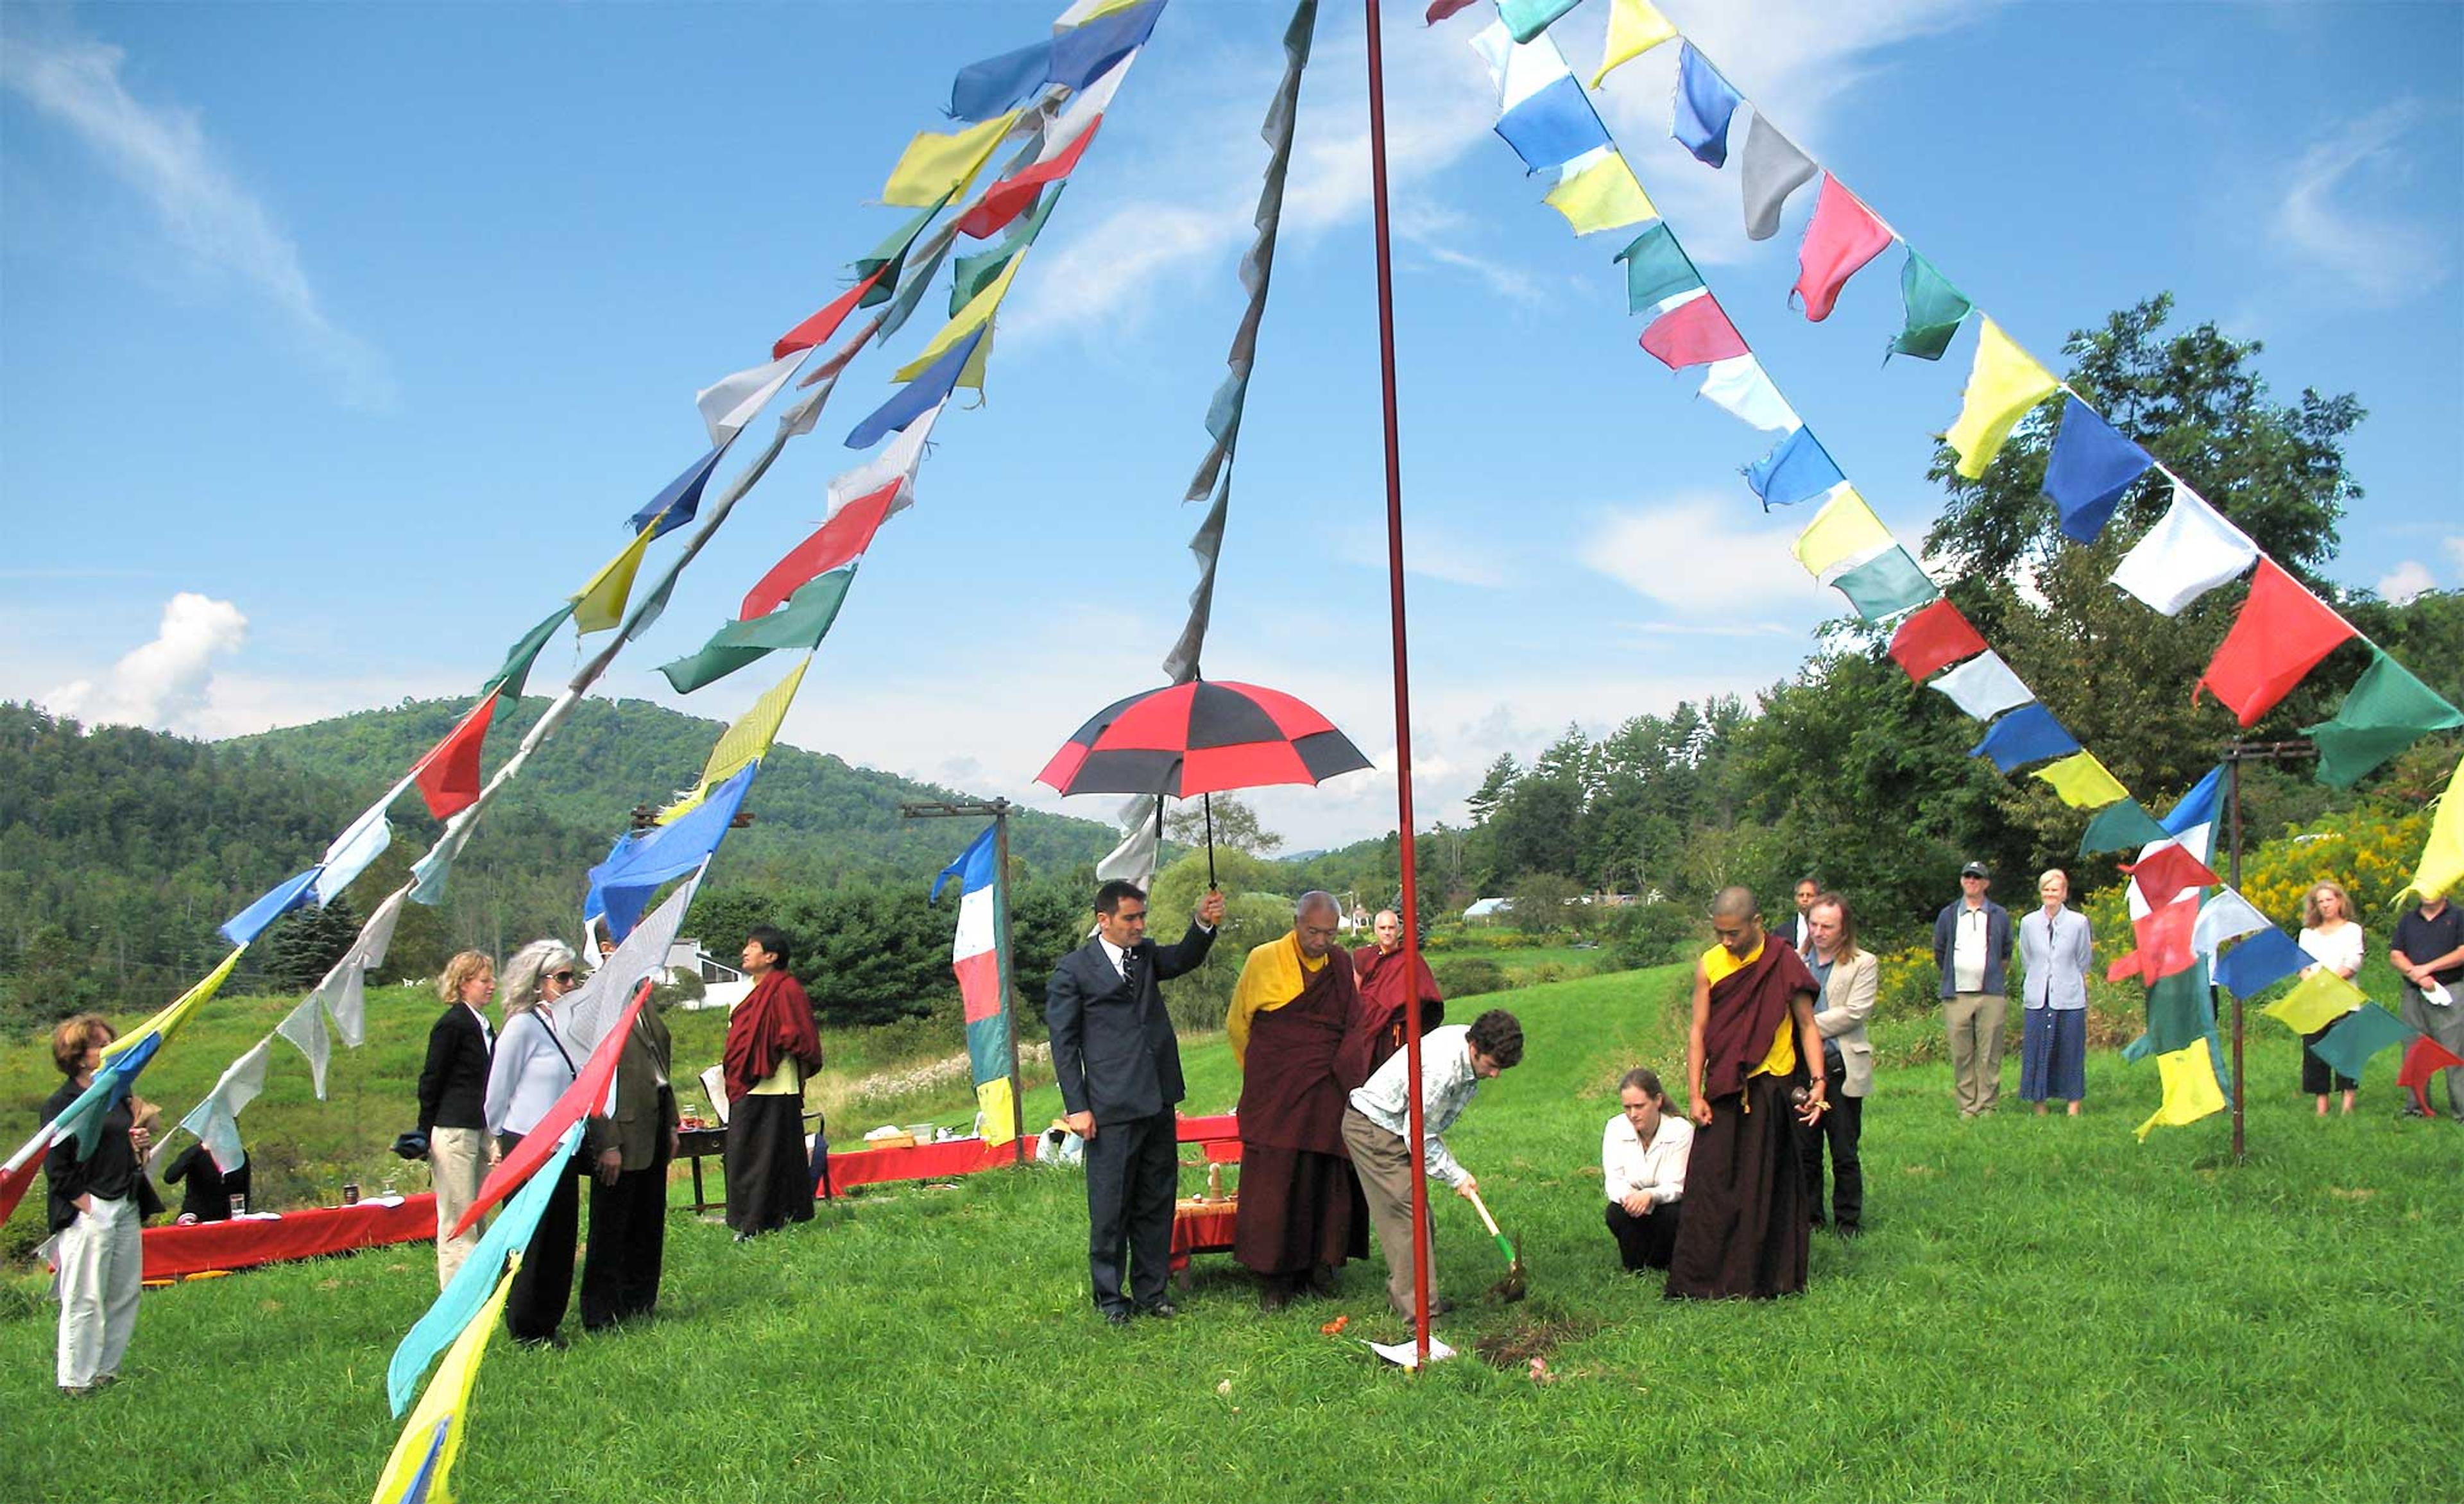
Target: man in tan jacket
1848	977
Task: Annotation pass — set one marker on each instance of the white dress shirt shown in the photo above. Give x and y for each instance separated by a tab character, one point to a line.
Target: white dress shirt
1447	1087
1658	1169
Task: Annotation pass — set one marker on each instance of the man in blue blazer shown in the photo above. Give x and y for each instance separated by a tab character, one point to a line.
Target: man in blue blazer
1118	1063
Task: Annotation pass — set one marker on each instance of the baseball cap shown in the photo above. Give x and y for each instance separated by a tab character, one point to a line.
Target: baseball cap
1974	870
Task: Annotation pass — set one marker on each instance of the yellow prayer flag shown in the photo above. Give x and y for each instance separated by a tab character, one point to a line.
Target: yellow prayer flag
444	1402
1602	194
2082	782
1085	11
746	743
1634	27
2317	1000
937	164
601	605
168	1021
2442	859
1845	528
2002	386
2190	1090
967	321
994	1100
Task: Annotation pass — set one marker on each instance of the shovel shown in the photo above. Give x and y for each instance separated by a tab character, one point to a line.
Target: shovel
1514	1286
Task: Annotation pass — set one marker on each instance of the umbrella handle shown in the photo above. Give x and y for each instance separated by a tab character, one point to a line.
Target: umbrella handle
1208	799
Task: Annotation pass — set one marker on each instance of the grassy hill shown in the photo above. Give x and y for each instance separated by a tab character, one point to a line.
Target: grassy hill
2043	1308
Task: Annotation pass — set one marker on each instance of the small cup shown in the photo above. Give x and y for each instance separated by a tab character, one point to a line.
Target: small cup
350	1193
239	1204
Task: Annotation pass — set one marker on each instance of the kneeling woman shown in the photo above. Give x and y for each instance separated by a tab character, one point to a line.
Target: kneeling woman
1643	1161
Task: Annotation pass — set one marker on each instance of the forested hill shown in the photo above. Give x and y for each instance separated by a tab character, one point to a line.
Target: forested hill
121	850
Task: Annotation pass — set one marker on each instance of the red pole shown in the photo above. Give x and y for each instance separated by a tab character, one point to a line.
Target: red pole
1402	690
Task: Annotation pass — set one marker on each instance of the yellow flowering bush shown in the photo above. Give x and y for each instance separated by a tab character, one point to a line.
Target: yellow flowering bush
2371	850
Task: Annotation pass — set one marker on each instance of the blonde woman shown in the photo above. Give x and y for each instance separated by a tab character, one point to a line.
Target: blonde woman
2055	948
98	1203
2336	942
453	1102
531	1070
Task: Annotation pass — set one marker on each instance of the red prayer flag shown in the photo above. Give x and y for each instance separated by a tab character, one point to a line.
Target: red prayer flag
2162	878
1694	333
1007	199
1933	639
1843	236
845	535
2282	632
587	1092
2163	935
1441	10
2425	1059
13	1182
449	775
824	324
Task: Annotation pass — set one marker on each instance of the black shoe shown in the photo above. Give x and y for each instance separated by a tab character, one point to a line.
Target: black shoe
1322	1280
1852	1230
1161	1310
1116	1318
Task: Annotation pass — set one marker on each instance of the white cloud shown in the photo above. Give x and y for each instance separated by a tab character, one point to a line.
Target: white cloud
2455	546
1434	551
162	151
164	683
2405	581
1691	557
2325	215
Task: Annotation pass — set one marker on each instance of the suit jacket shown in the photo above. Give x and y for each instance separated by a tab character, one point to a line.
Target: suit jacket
453	1083
1112	1045
1840	1017
645	1110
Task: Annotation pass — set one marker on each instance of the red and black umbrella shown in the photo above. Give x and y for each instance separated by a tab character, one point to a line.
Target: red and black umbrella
1200	738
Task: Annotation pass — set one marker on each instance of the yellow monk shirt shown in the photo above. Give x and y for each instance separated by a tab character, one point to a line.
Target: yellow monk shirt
1780	1060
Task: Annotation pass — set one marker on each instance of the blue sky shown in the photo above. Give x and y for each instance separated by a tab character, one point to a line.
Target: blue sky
338	341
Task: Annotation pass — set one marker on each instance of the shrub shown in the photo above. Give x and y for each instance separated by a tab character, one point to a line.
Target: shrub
1908	986
1470	976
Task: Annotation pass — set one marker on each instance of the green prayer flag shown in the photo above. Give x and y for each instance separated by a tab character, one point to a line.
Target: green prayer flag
2119	828
1934	308
971	275
517	672
1527	19
2179	1010
801	622
2386	711
891	253
1886	585
1656	267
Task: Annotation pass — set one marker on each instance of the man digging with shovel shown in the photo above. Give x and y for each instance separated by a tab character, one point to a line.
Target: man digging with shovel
1376	1125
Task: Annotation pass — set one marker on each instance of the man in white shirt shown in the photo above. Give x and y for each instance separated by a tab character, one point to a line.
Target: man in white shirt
1377	1126
1972	948
1799	931
1642	1168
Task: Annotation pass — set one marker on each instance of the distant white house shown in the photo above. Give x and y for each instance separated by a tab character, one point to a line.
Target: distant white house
1487	909
723	985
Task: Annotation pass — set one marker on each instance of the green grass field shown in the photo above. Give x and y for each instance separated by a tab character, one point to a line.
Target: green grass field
2042	1309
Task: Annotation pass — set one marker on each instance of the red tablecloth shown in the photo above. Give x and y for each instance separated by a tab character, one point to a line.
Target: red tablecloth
1207	1129
923	1161
174	1250
1203	1227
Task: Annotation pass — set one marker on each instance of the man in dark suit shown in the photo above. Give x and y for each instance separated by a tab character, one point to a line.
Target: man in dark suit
1119	1068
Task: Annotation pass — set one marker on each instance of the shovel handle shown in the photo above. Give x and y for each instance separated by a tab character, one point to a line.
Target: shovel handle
1481	1207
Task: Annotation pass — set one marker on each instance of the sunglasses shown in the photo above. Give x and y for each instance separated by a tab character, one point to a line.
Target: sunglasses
565	977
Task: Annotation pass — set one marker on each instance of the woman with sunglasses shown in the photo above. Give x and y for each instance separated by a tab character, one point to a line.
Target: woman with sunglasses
533	1067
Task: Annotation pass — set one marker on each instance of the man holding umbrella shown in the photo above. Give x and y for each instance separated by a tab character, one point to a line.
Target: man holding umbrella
1118	1066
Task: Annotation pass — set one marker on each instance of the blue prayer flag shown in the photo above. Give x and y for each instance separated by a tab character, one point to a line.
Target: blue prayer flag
984	89
931	387
2029	734
1887	585
1553	126
1797	469
1084	53
2092	466
679	498
1704	104
621	887
2364	1032
2260	961
250	923
2197	808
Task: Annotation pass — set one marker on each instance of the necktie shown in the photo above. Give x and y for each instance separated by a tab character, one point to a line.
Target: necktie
1129	969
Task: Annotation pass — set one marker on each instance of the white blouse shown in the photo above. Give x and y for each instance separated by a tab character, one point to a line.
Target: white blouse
1628	1164
2338	950
531	1069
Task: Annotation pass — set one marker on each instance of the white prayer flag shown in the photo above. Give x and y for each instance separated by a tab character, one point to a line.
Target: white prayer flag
215	1120
1520	69
730	403
304	1025
2227	915
1741	384
1983	686
2189	551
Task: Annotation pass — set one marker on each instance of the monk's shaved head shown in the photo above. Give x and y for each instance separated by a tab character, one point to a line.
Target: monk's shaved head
1316	901
1316	919
1734	903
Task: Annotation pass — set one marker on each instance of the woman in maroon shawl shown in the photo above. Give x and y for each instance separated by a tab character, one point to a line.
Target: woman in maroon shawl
771	1051
1746	1230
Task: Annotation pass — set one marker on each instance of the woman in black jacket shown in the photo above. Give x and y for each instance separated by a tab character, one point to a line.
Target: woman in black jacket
452	1097
99	1200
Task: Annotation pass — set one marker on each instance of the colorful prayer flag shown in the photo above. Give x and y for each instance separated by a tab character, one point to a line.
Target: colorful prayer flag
2189	551
679	498
2442	856
1770	168
2370	1029
1705	102
986	88
1933	310
514	675
882	268
968	320
2227	916
1842	238
422	1462
1887	585
215	1120
449	775
2118	827
1005	200
1553	126
938	165
1696	332
975	957
1090	49
599	604
2092	466
801	622
1600	192
362	842
304	1025
2081	782
1634	27
924	394
1845	529
644	861
2386	711
2181	1010
1984	687
277	901
2191	1090
2263	958
1657	269
2316	1001
343	991
1442	10
730	402
1933	639
2424	1059
825	321
2029	734
2282	633
2166	871
840	540
2004	383
971	275
1741	386
167	1022
1521	71
1529	18
745	742
1797	469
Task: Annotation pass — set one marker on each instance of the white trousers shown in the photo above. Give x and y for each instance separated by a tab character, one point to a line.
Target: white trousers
101	1271
458	1165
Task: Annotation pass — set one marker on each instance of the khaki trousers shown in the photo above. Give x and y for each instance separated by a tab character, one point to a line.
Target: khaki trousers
457	1165
1975	1021
102	1269
1385	1172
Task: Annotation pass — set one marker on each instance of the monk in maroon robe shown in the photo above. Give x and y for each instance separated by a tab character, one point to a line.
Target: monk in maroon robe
771	1050
1379	971
1754	1040
1302	1214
